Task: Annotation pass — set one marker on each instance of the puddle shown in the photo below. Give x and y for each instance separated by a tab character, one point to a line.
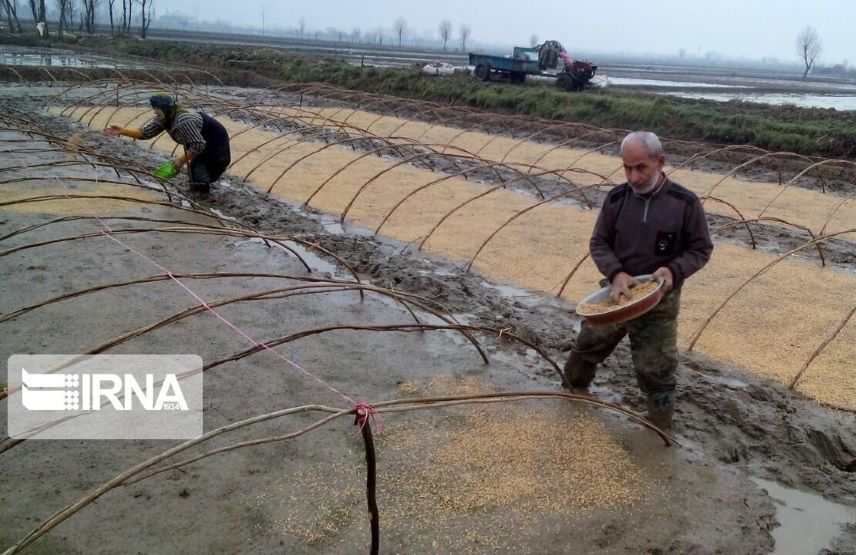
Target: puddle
54	59
842	103
516	293
519	360
318	264
605	393
670	84
439	272
332	225
222	215
425	317
730	383
808	523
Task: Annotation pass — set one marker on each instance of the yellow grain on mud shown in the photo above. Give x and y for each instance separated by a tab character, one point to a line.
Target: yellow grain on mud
808	208
456	475
771	327
73	206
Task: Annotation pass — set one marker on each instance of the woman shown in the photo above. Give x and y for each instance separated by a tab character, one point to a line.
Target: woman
205	140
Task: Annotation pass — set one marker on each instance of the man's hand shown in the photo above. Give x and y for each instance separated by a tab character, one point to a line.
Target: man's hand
621	286
668	278
113	130
179	162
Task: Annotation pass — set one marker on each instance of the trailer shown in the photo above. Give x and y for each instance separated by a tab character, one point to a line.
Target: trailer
516	68
538	60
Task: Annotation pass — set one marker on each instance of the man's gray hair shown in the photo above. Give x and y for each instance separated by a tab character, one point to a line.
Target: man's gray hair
650	141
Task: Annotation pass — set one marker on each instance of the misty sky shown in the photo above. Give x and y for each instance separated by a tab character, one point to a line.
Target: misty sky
748	28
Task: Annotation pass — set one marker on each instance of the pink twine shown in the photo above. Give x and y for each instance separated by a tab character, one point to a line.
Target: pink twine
366	413
257	344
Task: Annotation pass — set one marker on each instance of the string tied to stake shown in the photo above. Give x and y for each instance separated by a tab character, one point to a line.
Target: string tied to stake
365	414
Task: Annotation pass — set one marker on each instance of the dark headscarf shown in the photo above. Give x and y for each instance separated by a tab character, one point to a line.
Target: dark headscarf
169	107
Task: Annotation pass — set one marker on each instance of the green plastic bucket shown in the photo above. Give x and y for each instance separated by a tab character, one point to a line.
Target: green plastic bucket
166	171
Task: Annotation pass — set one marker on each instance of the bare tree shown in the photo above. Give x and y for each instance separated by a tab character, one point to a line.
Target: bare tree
145	16
66	15
69	15
11	7
301	27
43	18
399	27
808	47
62	9
445	31
89	7
110	5
355	34
39	11
127	15
533	41
465	34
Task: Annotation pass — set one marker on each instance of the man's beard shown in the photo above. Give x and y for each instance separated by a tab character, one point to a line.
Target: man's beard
655	180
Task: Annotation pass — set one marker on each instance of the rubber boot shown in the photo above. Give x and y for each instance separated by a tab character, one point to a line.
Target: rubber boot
200	190
579	373
661	407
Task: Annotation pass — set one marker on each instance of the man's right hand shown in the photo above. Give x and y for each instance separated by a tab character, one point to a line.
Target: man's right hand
113	130
621	286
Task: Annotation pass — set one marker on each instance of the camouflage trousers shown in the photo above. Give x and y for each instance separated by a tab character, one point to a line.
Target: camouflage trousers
653	345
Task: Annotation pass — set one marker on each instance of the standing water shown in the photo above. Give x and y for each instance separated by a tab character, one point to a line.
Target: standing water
807	523
58	59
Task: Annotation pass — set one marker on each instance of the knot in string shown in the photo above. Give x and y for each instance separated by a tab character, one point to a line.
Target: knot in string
364	413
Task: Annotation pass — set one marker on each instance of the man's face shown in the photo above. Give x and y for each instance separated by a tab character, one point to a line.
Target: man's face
642	170
159	114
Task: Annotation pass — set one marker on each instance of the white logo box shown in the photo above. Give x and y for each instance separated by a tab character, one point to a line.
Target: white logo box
104	396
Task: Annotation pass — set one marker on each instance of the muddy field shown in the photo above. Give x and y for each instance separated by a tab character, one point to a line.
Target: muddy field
760	468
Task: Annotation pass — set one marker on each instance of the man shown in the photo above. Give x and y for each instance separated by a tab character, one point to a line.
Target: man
648	225
205	140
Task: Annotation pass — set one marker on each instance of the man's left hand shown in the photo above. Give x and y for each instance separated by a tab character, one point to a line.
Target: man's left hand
668	279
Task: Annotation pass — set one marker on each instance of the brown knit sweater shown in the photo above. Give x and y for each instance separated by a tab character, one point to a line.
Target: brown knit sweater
639	233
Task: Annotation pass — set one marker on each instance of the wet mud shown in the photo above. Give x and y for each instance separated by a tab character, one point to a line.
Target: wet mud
700	497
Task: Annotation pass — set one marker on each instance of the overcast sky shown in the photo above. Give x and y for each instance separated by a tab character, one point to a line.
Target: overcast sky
747	28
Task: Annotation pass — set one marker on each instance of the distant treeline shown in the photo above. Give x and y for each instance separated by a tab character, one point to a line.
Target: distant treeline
838	70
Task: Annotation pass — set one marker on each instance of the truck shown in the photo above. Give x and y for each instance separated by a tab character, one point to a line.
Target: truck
542	60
